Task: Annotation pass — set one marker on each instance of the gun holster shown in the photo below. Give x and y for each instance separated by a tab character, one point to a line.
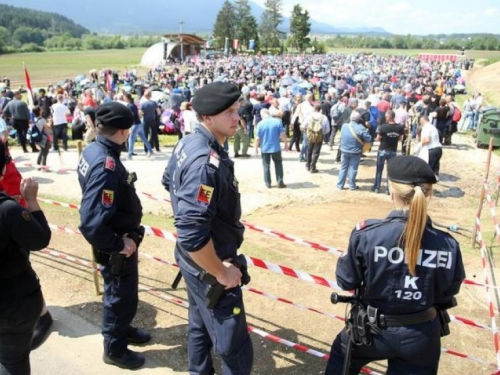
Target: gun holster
116	261
444	319
214	289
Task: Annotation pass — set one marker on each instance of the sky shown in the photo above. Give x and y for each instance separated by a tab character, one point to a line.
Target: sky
417	17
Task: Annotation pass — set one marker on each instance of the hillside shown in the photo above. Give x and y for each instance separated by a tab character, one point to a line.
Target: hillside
156	16
487	80
50	24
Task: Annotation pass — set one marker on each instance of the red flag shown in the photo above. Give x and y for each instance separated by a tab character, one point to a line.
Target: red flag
109	81
28	86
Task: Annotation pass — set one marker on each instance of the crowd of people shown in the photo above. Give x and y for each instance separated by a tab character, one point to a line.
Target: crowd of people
304	102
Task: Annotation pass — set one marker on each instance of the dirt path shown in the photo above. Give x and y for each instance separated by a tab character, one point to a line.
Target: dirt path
311	207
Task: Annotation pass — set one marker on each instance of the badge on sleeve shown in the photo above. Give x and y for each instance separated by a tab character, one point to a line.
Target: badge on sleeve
205	194
26	216
361	225
214	159
110	163
108	197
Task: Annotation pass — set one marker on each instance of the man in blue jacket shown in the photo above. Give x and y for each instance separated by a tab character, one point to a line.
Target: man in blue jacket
352	137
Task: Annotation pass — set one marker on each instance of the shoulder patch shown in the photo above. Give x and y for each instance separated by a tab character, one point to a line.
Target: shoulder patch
110	163
361	225
26	215
214	159
204	196
108	198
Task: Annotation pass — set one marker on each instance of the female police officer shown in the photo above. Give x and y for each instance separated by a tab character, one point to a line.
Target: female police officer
21	299
407	269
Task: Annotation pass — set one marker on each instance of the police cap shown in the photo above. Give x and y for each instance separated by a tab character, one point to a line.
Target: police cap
215	98
410	170
114	115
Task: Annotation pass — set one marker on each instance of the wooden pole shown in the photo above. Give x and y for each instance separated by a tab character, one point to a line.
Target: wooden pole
95	274
79	147
482	193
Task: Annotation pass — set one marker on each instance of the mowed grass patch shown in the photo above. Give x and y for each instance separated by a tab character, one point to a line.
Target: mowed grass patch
416	52
51	67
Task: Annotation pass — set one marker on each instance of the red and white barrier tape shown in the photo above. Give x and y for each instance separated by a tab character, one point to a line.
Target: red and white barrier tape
488	294
293	345
162	233
69	258
47	168
492	211
64	229
273	233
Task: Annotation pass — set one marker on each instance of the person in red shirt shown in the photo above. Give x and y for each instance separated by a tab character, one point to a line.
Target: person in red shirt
88	101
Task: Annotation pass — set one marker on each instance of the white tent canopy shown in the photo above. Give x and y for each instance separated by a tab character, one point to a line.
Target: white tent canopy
155	55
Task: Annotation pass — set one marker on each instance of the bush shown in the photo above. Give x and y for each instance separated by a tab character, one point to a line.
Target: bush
31	47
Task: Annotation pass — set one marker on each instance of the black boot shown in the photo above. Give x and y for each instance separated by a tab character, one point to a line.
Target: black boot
137	336
130	360
41	330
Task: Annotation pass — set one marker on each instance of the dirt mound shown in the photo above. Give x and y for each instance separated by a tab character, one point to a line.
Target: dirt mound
487	80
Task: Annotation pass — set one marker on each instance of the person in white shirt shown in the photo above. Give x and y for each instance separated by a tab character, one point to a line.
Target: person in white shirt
304	109
189	117
429	138
60	121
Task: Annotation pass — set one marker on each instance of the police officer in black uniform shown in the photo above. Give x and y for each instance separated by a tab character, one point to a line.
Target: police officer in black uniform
206	204
110	217
409	272
21	230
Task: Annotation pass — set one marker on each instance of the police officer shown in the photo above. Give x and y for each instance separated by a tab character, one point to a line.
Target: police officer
206	204
22	230
409	271
110	217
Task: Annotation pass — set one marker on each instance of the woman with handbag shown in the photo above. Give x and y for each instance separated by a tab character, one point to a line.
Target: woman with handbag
296	124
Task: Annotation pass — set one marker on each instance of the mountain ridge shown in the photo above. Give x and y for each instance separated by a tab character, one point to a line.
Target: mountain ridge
125	17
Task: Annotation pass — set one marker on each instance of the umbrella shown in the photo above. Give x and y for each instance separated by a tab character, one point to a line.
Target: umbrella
79	78
287	81
139	83
127	87
305	85
296	89
459	87
154	88
330	80
321	75
84	81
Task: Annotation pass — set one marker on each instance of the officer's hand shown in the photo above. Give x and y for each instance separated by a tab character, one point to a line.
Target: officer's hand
231	277
129	247
29	188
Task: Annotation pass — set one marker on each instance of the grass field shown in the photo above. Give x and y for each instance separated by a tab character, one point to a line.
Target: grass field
50	67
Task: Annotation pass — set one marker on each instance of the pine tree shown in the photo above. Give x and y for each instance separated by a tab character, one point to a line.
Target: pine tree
225	24
300	27
271	19
246	24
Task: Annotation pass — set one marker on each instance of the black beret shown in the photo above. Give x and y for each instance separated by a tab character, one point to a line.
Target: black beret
114	115
90	111
410	170
215	98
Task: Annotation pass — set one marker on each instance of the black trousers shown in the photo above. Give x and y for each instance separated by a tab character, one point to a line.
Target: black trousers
434	158
61	133
152	128
17	323
22	127
313	151
295	138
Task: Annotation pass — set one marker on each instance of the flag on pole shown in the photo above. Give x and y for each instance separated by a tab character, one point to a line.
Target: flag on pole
109	81
28	87
236	44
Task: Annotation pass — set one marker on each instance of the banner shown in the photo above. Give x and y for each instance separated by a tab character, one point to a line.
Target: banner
251	45
236	44
28	87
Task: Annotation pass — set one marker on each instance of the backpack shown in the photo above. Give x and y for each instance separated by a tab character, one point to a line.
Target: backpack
34	134
315	131
457	114
336	110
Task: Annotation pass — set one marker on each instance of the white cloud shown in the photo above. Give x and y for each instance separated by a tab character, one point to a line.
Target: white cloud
401	17
491	11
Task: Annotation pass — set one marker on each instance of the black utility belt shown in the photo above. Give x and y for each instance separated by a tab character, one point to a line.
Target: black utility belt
407	319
